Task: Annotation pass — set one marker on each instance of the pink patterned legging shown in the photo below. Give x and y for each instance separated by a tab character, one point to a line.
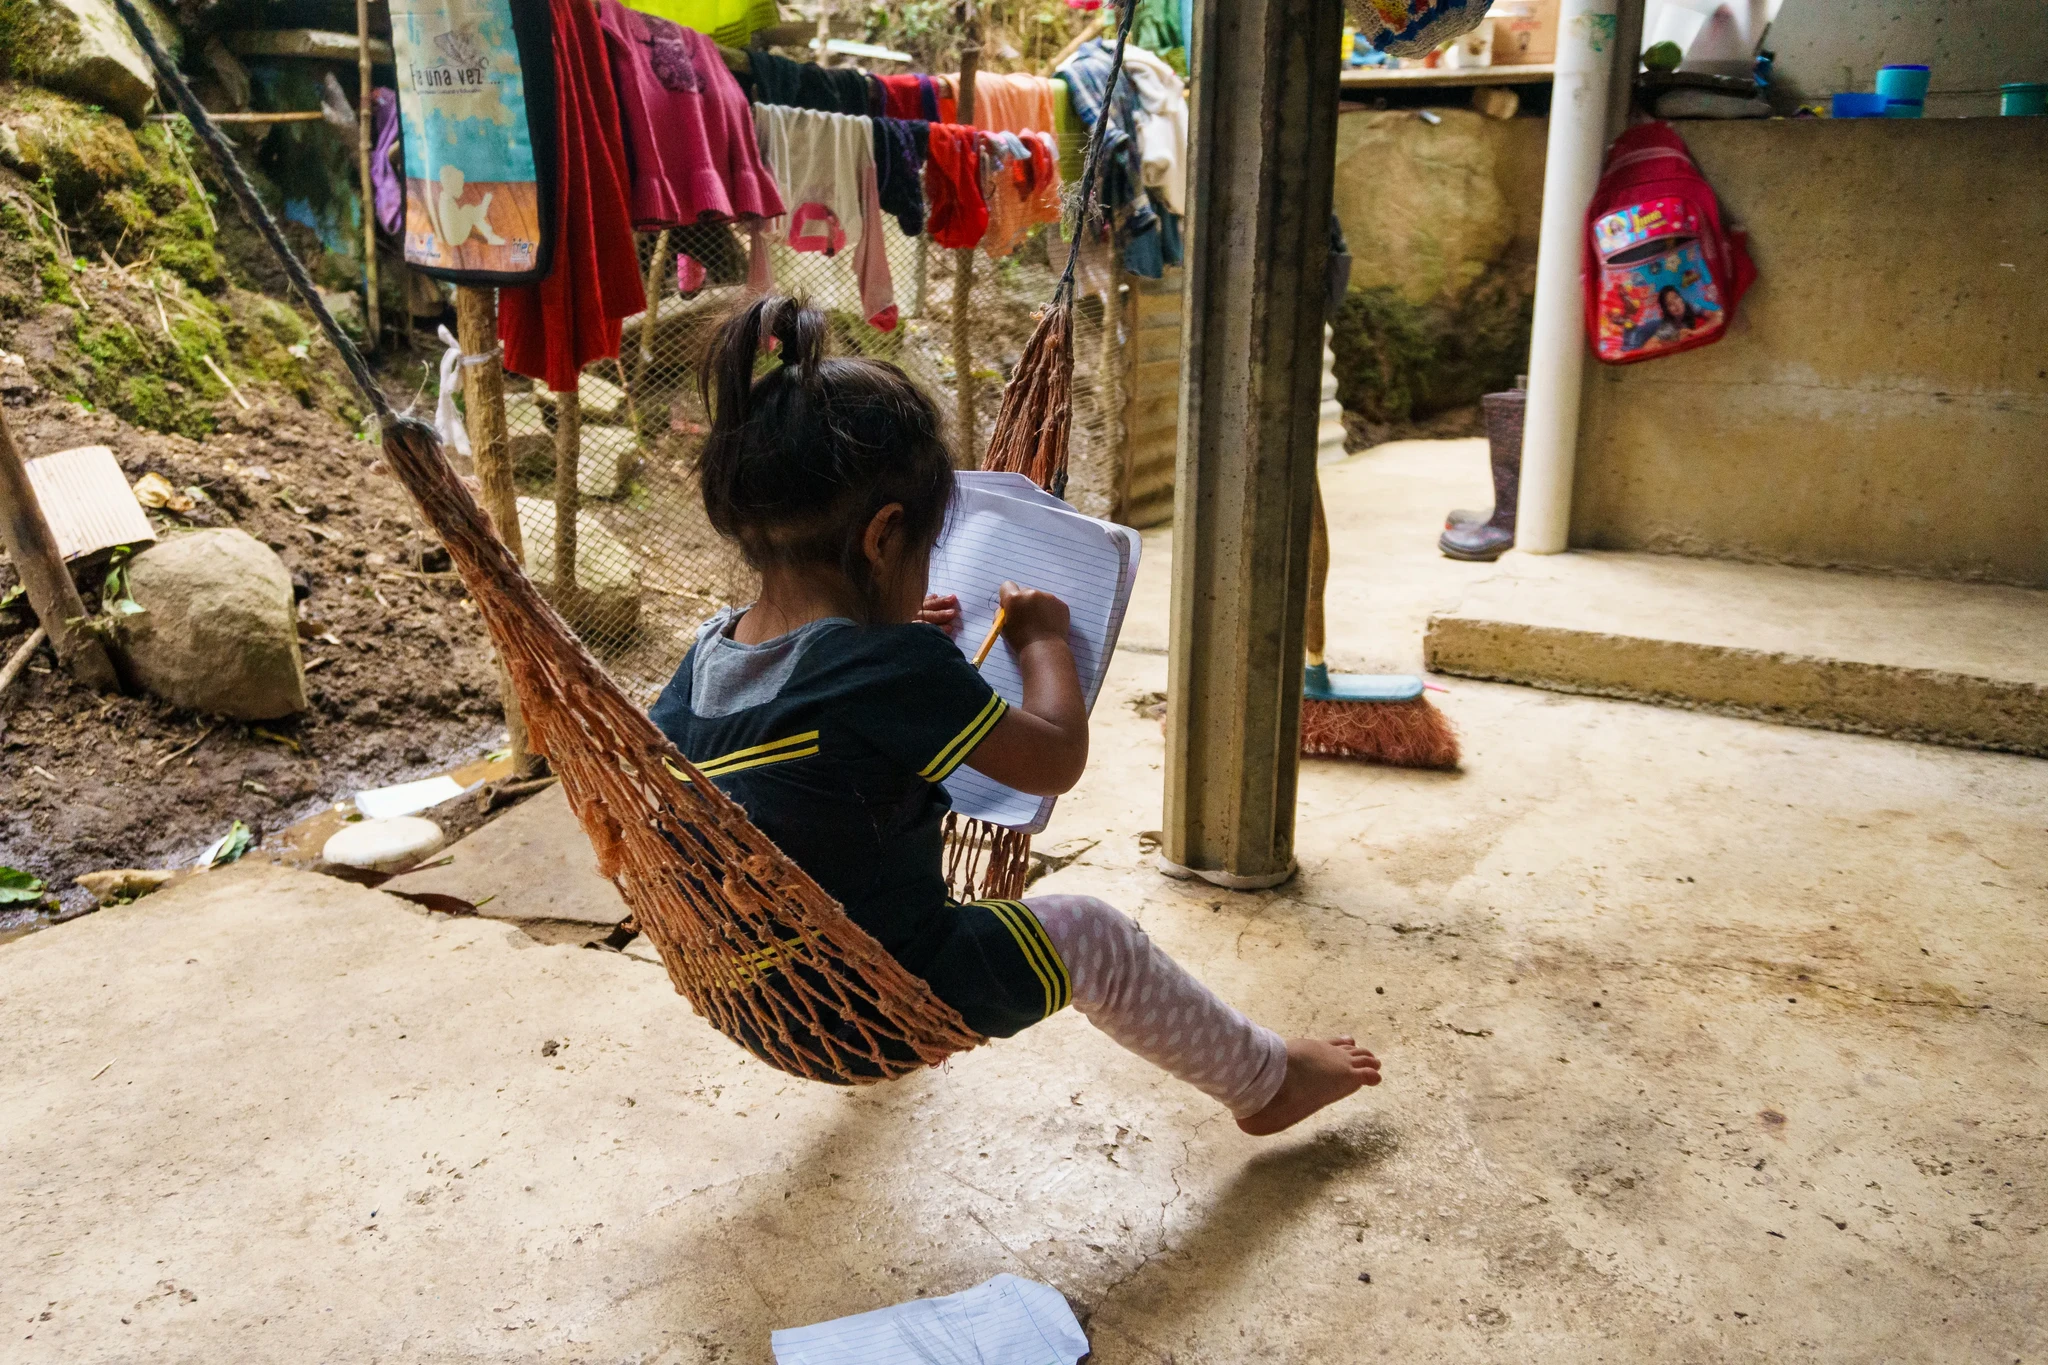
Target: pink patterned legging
1135	993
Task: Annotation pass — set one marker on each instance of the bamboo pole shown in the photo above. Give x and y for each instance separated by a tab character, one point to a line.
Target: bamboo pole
963	261
52	596
372	324
476	327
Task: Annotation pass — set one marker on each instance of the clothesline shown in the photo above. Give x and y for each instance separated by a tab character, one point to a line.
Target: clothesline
661	129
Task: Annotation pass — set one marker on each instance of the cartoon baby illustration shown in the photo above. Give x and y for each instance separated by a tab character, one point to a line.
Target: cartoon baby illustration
457	219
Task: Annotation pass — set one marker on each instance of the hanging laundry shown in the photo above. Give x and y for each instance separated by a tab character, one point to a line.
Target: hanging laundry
1122	192
1013	104
825	166
899	170
554	328
387	190
910	97
956	215
806	85
689	133
476	87
1021	174
731	22
1162	125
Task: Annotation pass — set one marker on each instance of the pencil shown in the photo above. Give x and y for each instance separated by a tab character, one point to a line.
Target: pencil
994	632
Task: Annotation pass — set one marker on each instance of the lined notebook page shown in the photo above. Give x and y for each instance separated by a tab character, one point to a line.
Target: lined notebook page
1002	1321
995	532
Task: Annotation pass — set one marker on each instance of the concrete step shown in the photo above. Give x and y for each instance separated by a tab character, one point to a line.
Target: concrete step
1949	663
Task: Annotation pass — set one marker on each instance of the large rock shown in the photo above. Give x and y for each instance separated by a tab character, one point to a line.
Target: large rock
85	49
218	631
1421	202
1442	220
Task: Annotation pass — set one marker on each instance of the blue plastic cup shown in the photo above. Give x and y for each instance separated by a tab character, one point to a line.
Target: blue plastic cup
1850	104
1904	89
2023	99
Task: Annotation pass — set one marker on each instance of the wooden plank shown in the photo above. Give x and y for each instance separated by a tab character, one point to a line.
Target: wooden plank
319	43
1369	78
52	596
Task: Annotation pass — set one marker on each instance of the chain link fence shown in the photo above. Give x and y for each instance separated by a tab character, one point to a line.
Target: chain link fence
644	566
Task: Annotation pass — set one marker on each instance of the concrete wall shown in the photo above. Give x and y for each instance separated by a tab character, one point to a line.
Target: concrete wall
1882	398
1973	46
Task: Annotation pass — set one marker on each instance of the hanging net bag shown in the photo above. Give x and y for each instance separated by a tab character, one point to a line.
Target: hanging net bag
753	942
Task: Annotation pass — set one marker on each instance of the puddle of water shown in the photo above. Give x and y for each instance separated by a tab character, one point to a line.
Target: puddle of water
299	845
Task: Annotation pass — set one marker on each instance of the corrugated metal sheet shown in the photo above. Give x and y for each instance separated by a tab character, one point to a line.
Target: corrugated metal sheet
86	499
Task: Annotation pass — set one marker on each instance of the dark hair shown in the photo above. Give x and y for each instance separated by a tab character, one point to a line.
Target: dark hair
1689	318
800	459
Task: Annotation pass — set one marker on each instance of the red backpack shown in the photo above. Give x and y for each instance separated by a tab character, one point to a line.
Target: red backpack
1662	274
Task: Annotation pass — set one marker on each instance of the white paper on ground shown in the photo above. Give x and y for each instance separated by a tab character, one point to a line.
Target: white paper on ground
998	530
407	798
1003	1321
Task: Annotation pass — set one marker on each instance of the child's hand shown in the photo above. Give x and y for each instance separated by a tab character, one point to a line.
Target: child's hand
943	612
1030	615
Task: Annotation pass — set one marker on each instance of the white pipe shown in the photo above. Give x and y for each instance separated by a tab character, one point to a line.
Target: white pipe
1557	342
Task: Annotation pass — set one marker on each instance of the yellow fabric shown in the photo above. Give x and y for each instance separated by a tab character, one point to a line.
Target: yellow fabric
730	22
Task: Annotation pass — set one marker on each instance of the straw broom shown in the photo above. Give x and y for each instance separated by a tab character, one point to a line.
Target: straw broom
1379	718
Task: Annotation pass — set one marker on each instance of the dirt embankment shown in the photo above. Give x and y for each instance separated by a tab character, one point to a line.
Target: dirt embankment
399	670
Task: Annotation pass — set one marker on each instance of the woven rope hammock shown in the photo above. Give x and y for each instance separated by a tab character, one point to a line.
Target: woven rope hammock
752	941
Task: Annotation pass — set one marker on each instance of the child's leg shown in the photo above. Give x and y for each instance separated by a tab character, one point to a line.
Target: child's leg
1149	1003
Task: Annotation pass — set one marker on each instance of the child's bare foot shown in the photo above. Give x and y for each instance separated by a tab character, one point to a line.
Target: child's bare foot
1319	1072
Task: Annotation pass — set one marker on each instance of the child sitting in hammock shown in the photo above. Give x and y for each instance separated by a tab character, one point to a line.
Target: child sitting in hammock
834	708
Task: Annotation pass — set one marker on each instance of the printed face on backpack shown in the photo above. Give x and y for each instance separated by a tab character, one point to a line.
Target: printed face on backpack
1656	291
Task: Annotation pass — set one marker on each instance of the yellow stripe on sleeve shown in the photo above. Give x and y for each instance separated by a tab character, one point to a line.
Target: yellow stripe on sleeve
956	752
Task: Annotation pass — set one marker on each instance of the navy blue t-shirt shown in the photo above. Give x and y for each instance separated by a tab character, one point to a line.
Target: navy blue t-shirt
837	738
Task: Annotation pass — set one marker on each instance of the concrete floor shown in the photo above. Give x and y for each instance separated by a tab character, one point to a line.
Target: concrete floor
1706	1040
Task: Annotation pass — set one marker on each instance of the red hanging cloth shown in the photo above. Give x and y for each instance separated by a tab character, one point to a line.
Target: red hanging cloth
955	213
553	328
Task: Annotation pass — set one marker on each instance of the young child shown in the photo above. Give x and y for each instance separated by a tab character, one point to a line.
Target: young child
834	708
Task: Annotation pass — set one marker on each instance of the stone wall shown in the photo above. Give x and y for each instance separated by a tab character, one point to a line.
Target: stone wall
1442	222
1881	401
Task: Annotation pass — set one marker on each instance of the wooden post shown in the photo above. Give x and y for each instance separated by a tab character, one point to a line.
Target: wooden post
483	386
52	596
1264	160
568	502
963	261
372	325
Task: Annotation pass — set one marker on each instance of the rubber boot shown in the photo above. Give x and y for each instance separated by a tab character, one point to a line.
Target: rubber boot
1488	540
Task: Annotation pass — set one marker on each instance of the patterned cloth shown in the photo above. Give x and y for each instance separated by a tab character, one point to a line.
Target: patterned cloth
1150	1004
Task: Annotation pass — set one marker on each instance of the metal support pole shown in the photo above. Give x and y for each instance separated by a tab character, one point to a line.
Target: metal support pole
372	325
483	388
1264	160
25	535
1586	41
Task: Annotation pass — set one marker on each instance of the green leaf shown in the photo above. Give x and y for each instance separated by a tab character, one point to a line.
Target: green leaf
11	596
228	847
114	597
17	886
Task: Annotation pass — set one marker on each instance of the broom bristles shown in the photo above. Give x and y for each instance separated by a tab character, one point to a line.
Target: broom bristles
1400	734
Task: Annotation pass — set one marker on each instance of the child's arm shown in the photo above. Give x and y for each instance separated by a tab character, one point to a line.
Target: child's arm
1040	747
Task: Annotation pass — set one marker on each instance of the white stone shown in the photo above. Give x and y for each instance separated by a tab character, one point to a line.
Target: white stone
93	56
607	603
383	845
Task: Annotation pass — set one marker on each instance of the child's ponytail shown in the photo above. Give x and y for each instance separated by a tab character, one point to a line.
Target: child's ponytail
800	458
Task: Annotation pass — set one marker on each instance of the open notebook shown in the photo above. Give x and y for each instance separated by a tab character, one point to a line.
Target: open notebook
1003	526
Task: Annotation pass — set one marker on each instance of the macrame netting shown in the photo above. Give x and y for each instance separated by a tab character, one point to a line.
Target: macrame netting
746	935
